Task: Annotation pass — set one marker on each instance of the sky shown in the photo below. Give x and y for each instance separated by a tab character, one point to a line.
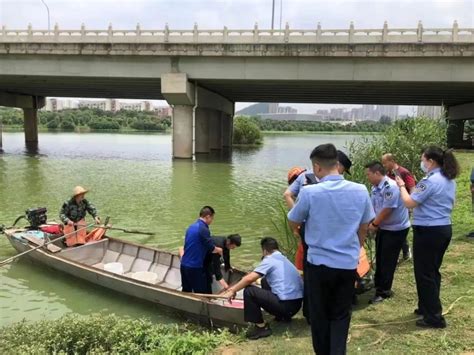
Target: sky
237	14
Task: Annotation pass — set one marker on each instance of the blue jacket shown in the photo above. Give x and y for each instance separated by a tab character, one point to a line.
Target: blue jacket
197	244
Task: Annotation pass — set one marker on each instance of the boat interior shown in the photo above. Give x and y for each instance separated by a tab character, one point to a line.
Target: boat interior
161	268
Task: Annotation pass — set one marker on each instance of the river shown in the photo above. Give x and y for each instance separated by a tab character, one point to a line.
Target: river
133	179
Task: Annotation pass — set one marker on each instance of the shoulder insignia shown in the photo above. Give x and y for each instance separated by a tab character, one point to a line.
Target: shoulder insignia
420	187
388	195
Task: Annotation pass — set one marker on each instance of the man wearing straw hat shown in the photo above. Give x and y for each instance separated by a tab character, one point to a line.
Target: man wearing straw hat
73	213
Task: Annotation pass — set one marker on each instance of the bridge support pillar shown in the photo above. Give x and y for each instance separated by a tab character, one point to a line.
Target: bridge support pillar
30	124
30	106
202	130
208	120
227	130
182	131
215	130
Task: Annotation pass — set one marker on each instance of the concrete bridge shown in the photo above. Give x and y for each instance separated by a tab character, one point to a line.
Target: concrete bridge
202	73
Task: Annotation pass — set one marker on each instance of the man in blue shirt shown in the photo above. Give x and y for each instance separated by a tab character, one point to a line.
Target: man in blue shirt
305	178
391	226
337	214
281	294
197	244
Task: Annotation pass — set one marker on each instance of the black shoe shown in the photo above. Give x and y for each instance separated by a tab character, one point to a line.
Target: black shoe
424	324
418	312
259	332
376	299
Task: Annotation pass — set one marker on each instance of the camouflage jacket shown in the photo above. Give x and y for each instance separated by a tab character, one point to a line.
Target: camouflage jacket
75	212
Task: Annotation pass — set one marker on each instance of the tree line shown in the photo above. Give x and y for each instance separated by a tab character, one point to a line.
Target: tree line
321	126
92	118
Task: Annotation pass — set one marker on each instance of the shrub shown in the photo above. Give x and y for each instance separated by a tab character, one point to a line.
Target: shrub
100	333
104	123
246	131
67	124
147	125
53	124
405	139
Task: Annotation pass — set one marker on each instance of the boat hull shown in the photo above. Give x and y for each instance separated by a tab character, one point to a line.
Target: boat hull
198	309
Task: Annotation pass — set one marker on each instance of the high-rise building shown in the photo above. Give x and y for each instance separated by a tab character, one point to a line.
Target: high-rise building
430	111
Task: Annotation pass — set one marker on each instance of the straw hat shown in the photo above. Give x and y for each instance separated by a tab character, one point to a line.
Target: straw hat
79	190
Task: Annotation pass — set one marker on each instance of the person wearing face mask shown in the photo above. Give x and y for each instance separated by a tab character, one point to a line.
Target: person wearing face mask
432	201
337	214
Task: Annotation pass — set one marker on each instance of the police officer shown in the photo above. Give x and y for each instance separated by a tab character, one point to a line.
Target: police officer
391	226
281	293
304	178
432	202
337	214
392	167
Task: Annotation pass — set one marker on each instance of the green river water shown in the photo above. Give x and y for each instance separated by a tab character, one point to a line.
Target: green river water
133	180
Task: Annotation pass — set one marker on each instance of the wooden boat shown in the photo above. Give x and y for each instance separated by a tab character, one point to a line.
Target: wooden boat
87	262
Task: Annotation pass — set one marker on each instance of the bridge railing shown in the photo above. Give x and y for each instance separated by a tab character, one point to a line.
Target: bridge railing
242	36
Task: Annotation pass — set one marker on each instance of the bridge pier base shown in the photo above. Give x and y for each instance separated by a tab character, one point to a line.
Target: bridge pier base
30	124
182	131
202	130
227	130
215	130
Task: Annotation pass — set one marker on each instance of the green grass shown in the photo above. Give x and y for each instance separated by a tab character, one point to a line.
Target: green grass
389	328
108	334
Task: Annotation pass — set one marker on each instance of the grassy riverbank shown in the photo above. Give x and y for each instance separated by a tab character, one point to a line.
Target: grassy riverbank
389	328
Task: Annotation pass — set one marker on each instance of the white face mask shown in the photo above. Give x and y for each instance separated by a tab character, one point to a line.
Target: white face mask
423	167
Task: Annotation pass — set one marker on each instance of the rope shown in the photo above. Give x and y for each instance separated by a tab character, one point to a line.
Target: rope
369	325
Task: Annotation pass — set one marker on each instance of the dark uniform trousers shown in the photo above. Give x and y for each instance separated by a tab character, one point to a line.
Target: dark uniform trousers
429	246
305	276
194	280
256	298
330	293
387	249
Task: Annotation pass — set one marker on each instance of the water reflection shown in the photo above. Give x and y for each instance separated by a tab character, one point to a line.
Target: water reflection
215	156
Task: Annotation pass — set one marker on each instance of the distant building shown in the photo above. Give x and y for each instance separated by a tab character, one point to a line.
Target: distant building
113	105
100	104
286	109
430	111
266	108
163	111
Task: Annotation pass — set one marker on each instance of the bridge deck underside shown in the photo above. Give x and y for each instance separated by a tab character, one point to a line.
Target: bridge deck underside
297	91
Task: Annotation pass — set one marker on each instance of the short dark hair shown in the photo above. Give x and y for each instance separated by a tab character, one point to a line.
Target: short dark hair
207	211
324	155
269	244
376	166
235	239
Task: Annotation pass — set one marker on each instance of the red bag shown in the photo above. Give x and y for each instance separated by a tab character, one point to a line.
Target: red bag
52	229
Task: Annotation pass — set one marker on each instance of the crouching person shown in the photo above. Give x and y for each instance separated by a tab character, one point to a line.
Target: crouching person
281	294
